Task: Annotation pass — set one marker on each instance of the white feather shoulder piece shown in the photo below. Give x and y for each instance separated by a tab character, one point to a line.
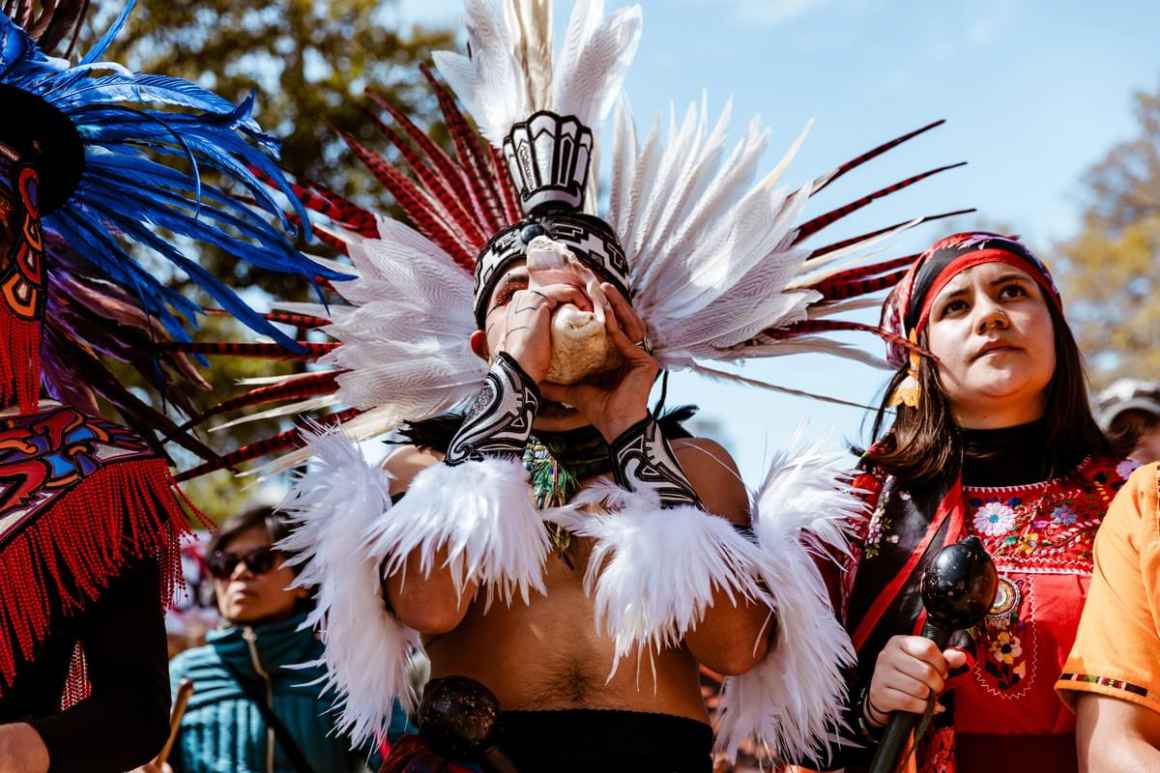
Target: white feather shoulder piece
367	651
479	512
653	571
792	701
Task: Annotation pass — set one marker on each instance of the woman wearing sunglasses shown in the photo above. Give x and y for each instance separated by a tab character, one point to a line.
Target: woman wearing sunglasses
249	669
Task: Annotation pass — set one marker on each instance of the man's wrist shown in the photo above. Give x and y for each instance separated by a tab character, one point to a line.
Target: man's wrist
499	421
643	460
616	427
526	378
875	718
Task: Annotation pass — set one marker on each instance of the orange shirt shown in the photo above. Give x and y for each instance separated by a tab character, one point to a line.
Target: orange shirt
1117	648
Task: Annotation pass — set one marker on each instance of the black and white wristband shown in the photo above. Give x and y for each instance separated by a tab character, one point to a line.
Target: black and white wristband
642	459
499	421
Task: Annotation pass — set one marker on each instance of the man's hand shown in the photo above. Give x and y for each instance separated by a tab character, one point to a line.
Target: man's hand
22	750
527	320
613	409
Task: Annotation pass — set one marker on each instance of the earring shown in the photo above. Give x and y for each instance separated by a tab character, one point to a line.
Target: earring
909	392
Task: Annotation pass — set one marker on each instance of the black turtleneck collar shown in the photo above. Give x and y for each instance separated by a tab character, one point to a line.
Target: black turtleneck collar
1010	456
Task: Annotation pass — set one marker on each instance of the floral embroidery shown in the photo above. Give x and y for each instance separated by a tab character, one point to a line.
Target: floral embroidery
1125	468
1044	527
1005	647
879	526
1064	515
1004	644
994	519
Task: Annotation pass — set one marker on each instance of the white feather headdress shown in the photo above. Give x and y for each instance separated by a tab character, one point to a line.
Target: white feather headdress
718	266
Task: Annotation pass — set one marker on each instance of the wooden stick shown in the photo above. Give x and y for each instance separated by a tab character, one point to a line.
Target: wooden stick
184	690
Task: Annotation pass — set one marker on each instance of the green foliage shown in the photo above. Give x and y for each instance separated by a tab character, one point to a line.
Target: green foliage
309	63
1109	270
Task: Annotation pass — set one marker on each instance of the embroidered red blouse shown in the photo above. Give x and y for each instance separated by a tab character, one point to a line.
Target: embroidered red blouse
1004	706
1040	537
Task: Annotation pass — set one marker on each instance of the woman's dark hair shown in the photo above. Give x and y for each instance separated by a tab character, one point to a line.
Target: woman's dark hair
275	524
923	443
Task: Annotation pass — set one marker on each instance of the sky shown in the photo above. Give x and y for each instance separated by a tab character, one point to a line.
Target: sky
1034	91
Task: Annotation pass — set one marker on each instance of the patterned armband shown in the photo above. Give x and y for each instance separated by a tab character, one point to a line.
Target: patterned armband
643	459
500	419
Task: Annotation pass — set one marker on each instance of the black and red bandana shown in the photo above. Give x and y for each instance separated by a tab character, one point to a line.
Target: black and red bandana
907	308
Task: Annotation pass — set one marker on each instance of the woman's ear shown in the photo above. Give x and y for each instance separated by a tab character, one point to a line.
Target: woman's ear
478	342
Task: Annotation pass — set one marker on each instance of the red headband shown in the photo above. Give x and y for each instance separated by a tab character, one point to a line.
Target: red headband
978	257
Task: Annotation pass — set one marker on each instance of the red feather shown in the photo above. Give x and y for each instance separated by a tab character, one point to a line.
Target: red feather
466	142
871	234
290	439
453	211
858	287
341	210
451	174
248	349
285	317
811	227
824	181
810	326
507	188
293	389
414	203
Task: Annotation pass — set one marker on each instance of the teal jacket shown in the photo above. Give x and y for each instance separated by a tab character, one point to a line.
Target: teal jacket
222	730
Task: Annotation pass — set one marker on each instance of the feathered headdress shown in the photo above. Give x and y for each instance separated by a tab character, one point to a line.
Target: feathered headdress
107	179
114	171
715	258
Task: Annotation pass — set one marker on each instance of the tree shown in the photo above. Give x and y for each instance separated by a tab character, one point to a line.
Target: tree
1110	268
309	63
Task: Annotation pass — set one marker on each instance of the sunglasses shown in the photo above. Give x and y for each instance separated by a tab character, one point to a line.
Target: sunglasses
259	561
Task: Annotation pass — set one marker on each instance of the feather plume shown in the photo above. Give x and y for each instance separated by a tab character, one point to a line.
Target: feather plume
160	153
504	79
333	507
532	21
792	702
481	514
653	571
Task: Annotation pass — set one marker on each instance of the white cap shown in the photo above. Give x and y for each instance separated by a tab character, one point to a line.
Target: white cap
1127	394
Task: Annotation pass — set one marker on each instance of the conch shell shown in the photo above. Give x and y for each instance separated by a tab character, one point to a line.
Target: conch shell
580	343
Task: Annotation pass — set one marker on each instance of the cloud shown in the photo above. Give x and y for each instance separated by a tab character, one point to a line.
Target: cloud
771	12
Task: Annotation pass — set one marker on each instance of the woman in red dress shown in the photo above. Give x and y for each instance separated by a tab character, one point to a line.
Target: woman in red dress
992	437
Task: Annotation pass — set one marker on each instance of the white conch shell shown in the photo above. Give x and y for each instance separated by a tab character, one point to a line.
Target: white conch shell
580	343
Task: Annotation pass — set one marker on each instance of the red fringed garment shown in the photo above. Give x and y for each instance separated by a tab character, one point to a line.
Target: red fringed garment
80	498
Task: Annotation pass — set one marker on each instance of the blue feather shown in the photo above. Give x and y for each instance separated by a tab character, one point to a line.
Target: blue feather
225	297
144	171
102	45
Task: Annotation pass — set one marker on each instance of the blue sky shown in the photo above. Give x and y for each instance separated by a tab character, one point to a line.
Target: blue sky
1034	91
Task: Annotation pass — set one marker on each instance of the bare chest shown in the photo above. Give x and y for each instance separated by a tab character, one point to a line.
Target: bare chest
549	654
